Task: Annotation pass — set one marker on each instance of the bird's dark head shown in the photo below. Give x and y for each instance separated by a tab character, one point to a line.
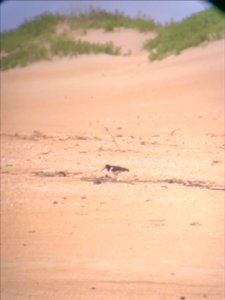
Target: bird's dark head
106	167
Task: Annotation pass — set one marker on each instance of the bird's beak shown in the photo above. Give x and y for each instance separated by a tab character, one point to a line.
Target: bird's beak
103	169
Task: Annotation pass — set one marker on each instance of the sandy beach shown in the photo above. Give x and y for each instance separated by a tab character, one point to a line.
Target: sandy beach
68	231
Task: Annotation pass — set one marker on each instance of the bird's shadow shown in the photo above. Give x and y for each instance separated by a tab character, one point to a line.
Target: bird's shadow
105	179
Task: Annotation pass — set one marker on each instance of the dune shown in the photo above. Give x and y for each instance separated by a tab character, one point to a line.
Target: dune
157	232
130	41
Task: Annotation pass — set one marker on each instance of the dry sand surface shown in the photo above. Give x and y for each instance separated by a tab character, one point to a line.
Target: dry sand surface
156	233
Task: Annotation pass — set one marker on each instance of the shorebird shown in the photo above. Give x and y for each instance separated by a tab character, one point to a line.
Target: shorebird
116	170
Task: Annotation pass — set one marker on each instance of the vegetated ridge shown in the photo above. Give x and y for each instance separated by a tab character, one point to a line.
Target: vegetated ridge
38	39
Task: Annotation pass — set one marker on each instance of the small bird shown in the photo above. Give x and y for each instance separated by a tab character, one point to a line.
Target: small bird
115	169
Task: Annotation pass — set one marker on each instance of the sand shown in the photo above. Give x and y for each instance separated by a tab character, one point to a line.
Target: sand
156	232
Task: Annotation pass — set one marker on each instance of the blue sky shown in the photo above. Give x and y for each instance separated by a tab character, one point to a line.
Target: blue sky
14	12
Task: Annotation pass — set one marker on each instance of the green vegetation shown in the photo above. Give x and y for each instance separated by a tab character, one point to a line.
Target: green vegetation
96	19
40	39
175	37
24	56
56	46
64	46
30	31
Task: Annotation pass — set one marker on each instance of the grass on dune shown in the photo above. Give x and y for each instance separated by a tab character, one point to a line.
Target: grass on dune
96	19
38	29
57	46
38	39
64	46
175	37
24	57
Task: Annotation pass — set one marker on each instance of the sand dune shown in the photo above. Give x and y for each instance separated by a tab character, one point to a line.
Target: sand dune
131	42
67	231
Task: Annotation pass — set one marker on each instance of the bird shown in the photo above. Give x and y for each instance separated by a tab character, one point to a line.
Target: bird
116	170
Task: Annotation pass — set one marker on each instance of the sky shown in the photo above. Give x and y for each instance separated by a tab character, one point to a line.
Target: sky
14	12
